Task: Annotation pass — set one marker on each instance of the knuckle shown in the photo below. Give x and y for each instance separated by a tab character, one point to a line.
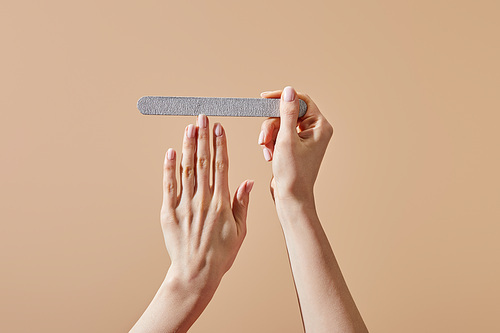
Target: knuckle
188	171
220	166
188	144
189	216
219	205
202	162
169	167
220	142
185	212
170	188
201	201
328	129
290	113
268	123
203	135
167	217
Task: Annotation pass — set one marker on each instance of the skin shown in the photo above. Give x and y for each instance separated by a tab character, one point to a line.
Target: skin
203	230
296	147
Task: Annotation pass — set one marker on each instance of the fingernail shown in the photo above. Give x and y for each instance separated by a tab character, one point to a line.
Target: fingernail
190	131
202	121
249	186
261	137
288	94
267	154
218	129
170	154
264	93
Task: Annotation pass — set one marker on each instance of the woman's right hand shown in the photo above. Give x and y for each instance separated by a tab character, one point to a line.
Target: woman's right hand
295	146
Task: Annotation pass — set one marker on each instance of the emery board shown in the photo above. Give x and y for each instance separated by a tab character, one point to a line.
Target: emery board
213	106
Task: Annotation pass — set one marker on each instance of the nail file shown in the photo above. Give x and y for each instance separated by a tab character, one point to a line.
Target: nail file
213	106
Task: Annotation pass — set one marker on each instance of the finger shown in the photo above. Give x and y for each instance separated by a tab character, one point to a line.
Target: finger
267	137
220	162
312	108
313	123
289	111
271	94
169	181
203	156
268	154
187	163
240	204
268	130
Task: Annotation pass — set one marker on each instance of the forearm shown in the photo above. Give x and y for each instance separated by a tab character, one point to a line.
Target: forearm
176	305
325	301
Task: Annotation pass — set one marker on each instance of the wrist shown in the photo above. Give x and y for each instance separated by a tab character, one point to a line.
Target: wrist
193	285
180	301
292	195
294	209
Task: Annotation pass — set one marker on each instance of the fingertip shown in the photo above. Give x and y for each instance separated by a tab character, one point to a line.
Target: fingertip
261	138
202	121
249	186
169	161
218	130
240	191
169	180
267	154
244	190
170	156
271	94
289	94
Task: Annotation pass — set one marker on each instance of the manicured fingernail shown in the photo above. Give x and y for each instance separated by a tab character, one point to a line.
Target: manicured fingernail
261	138
288	94
202	121
249	186
267	154
190	131
264	93
170	154
218	129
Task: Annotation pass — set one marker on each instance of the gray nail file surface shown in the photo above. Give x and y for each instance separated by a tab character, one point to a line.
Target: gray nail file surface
213	106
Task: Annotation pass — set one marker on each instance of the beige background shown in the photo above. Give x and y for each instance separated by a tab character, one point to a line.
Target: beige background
408	192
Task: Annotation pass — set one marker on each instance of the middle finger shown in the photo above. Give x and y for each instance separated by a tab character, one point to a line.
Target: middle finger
203	157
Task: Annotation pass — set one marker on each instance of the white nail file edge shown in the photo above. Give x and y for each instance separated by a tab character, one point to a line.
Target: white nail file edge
213	106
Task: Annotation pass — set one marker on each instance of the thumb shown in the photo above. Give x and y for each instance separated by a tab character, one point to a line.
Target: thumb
240	203
289	111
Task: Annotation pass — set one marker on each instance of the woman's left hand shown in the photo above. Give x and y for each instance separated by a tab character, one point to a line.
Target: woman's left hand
203	231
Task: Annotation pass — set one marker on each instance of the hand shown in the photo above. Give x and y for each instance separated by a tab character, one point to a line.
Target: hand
295	146
202	231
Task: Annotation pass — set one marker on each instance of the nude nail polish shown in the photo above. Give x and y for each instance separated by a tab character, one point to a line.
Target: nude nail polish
218	129
190	131
202	121
288	94
170	154
261	138
267	154
249	186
